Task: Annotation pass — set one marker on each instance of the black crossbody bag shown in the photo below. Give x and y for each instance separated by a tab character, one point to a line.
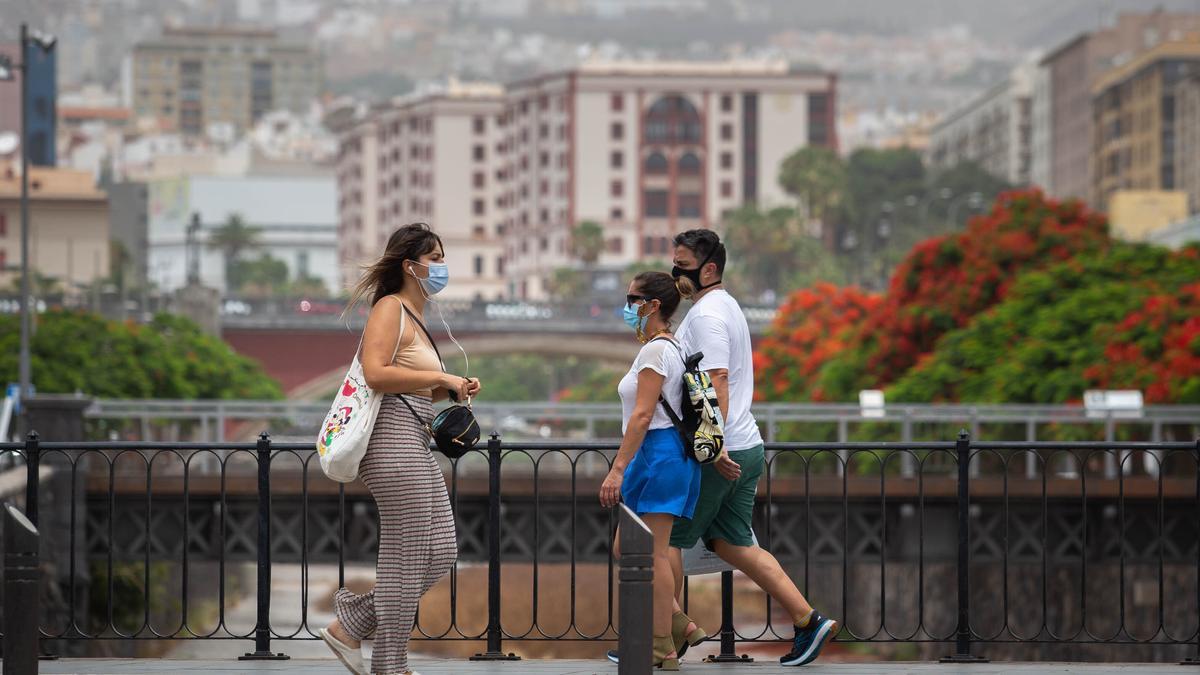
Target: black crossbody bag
454	430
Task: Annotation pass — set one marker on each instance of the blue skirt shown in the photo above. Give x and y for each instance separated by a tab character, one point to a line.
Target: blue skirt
660	479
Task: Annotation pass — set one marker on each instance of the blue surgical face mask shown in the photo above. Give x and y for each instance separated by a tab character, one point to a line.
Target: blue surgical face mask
632	319
439	277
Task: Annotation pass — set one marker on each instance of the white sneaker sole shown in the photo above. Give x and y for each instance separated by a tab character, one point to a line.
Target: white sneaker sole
824	633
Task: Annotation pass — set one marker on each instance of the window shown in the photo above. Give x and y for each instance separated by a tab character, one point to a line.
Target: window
616	245
689	164
479	179
656	164
3	224
617	131
544	159
726	103
479	232
726	189
616	160
616	213
480	124
617	102
616	188
478	265
499	266
478	207
544	131
673	119
689	206
543	244
726	160
727	132
3	259
479	153
656	203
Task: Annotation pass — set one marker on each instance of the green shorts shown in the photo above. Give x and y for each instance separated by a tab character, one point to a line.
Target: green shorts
725	507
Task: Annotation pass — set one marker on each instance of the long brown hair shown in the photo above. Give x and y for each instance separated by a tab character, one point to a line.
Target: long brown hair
386	276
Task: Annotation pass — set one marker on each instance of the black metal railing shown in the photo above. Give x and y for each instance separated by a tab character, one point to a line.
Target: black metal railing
934	543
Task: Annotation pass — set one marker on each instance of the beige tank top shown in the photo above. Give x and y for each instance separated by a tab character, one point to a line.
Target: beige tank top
418	354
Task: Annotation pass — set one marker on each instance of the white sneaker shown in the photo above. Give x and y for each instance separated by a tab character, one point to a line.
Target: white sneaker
349	656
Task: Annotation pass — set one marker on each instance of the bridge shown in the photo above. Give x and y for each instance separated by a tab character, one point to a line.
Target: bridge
306	344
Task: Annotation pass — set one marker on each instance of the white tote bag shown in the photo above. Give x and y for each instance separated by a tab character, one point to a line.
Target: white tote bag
343	438
700	560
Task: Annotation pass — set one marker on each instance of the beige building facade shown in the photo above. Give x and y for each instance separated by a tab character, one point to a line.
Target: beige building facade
194	78
1136	129
69	231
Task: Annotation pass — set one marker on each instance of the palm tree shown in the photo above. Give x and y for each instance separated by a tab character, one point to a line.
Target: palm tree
587	242
232	239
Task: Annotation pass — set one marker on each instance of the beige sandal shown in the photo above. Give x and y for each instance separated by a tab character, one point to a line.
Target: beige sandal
349	656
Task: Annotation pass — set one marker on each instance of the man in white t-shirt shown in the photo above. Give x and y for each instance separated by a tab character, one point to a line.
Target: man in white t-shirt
716	326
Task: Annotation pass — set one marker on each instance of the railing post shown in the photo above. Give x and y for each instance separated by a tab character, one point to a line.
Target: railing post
262	628
495	633
33	463
962	649
636	595
728	636
1195	660
22	580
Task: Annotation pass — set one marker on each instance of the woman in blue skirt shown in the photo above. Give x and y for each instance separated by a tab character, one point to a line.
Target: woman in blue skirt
651	473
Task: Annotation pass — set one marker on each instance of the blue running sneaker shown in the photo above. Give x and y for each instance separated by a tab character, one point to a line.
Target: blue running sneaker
810	640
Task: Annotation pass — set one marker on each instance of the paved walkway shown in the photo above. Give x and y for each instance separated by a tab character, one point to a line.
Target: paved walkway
427	666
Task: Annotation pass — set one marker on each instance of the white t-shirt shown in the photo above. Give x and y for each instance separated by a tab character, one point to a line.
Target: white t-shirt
717	327
664	358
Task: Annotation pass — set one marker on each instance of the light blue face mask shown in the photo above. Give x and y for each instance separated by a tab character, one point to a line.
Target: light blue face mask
637	323
439	277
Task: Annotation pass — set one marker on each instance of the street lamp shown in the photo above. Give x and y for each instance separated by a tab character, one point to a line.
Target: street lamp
45	42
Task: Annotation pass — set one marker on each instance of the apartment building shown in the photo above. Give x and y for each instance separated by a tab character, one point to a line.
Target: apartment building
1073	70
644	150
431	159
193	80
1136	129
995	130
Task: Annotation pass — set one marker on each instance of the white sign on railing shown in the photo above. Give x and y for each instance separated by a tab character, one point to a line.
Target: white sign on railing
871	403
1121	403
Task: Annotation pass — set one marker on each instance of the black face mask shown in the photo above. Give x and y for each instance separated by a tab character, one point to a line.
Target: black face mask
694	275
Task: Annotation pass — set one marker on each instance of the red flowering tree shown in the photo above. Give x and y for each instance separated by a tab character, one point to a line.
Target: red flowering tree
1155	348
814	325
1123	318
946	281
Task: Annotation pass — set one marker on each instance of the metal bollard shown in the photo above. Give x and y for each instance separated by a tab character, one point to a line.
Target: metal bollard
22	617
636	593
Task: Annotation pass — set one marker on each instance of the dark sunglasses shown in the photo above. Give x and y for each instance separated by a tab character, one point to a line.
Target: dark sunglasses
633	299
